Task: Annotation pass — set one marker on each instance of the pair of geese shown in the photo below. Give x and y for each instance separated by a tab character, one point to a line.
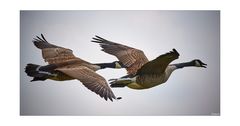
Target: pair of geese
141	73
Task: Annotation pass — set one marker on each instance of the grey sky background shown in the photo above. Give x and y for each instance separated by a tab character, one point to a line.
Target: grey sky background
189	91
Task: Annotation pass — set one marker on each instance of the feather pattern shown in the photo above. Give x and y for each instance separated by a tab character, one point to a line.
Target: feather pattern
130	57
51	53
69	67
158	65
91	80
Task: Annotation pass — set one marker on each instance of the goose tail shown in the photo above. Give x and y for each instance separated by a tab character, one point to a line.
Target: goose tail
122	82
32	70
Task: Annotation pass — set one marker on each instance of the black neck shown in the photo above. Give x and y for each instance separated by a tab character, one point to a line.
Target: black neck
186	64
106	65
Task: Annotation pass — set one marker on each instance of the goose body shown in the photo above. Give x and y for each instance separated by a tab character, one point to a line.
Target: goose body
145	81
151	80
142	73
63	65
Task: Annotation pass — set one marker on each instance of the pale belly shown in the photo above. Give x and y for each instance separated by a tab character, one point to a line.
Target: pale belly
141	86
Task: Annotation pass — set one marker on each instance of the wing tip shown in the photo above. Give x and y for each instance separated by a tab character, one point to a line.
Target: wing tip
38	42
38	39
43	37
98	39
175	51
109	95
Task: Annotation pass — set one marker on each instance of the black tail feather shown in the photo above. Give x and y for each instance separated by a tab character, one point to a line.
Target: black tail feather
42	43
32	70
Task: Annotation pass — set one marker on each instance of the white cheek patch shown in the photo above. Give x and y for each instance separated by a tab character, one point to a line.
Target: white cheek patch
37	69
117	65
97	67
197	64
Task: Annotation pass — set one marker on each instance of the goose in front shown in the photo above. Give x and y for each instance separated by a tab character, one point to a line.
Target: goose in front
63	65
142	73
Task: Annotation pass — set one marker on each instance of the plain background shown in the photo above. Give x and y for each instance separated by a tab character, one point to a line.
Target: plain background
229	50
189	91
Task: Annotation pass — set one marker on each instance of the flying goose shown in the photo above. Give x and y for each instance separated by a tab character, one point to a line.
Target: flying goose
63	65
142	73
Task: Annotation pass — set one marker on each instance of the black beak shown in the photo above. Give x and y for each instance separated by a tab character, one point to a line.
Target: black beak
204	65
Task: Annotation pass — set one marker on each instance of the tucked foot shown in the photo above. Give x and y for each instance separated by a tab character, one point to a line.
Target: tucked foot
118	98
120	82
114	79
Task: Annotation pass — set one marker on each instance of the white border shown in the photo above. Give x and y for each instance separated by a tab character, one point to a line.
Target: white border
9	90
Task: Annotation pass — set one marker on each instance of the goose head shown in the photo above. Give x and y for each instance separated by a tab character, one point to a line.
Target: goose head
199	63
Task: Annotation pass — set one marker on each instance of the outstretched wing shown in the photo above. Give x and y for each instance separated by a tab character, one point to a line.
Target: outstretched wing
91	80
130	57
158	65
51	53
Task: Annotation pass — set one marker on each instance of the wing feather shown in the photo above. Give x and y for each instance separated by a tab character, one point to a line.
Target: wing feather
158	65
91	80
130	57
52	53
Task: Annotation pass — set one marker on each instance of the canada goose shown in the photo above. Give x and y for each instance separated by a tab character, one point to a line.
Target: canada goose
63	65
142	73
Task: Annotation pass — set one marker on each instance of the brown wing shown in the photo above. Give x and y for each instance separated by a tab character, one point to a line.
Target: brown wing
51	53
130	57
91	80
158	65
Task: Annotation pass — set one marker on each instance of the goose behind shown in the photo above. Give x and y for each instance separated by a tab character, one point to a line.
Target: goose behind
63	65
